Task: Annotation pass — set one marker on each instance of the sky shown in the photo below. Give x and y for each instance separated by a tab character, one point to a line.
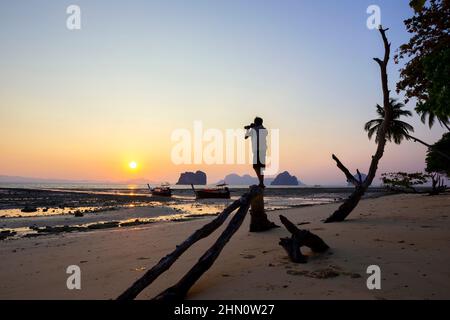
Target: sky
83	104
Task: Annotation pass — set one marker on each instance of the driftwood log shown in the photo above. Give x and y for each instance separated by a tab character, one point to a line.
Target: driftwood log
298	239
166	262
259	221
178	291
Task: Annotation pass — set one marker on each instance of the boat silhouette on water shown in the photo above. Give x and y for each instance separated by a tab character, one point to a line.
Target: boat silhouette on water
220	192
161	191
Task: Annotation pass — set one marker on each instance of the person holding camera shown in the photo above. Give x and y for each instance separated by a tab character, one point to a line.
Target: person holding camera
258	134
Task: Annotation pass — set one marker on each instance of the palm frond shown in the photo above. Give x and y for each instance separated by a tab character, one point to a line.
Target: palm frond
404	125
371	131
371	123
380	110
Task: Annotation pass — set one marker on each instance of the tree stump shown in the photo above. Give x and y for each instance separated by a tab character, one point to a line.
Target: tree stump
259	221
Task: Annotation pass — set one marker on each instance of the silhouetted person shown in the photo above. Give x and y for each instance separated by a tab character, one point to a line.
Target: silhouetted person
258	134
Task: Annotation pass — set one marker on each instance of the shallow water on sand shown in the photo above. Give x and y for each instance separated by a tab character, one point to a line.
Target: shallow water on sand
25	212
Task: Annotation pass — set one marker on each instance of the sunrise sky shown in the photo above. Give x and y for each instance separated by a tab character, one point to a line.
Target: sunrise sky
84	104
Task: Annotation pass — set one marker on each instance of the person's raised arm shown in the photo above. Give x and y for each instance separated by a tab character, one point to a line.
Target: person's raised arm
248	133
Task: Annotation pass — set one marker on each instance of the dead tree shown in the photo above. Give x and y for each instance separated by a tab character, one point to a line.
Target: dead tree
166	262
298	239
361	186
438	185
179	290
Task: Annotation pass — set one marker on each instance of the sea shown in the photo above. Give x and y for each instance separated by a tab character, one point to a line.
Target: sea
35	209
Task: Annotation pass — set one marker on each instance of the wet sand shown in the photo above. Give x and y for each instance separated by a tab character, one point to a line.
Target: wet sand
407	236
35	213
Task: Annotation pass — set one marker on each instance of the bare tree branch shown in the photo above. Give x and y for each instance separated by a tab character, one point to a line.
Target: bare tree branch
377	60
347	173
359	176
446	156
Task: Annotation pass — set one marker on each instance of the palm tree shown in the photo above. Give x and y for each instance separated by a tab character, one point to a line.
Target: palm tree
398	130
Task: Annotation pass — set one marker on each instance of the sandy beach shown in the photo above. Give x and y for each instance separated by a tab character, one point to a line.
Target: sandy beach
405	235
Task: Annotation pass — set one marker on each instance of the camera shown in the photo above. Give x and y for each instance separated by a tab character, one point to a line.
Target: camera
249	126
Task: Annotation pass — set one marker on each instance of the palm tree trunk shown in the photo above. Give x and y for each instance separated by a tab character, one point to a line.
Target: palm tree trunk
429	146
361	186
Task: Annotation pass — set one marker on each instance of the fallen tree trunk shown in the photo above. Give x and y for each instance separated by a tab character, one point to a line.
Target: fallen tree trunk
166	262
178	291
298	239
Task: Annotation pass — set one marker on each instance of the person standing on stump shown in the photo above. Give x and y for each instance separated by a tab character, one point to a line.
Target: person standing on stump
258	134
259	221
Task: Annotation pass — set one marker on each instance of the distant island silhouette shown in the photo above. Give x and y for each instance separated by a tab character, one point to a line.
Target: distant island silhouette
286	179
187	178
283	178
356	176
237	180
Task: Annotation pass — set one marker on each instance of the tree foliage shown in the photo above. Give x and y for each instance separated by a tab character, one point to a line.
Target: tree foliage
425	75
417	4
404	181
437	71
435	161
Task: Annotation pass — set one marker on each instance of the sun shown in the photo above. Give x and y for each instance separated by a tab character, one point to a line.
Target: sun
133	165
